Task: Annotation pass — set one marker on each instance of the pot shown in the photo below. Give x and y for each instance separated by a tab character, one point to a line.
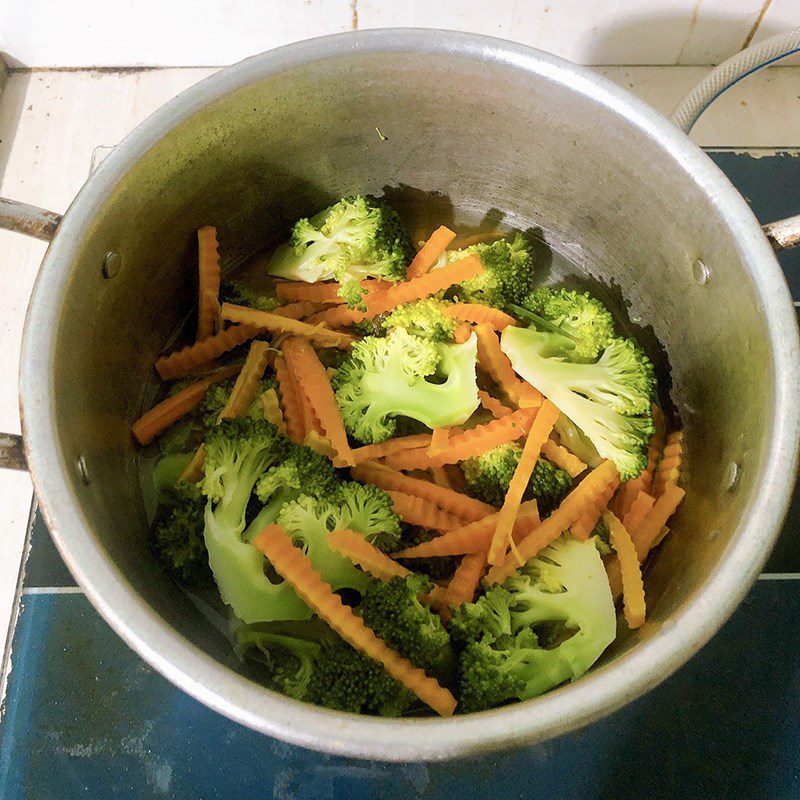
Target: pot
469	125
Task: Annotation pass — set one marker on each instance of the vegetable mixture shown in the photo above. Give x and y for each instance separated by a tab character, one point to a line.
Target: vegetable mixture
419	479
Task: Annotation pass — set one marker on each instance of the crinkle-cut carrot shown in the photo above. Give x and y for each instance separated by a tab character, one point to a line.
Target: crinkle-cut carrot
639	509
573	505
418	511
440	438
436	599
462	333
319	442
293	412
466	508
648	533
310	375
441	478
630	571
669	468
399	445
429	253
466	579
479	314
327	292
405	292
476	537
296	568
271	407
562	457
584	525
467	444
208	281
170	410
614	574
298	310
643	482
269	321
493	405
365	555
245	389
537	436
193	471
194	356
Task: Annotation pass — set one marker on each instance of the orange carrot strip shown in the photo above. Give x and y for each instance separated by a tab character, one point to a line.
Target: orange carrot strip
418	511
630	571
584	525
429	253
268	321
365	555
467	508
245	389
647	534
479	314
372	451
643	482
476	537
614	573
296	568
669	468
298	310
493	405
537	436
469	443
193	356
440	438
310	375
193	471
293	413
462	333
170	410
327	292
209	277
271	407
492	360
465	580
573	505
639	509
562	457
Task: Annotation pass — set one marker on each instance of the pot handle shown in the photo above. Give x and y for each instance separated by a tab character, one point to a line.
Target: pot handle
41	224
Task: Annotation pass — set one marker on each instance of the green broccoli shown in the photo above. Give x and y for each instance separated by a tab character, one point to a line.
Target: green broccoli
177	535
545	625
437	568
392	609
508	275
609	401
386	377
488	476
358	237
423	318
587	323
242	295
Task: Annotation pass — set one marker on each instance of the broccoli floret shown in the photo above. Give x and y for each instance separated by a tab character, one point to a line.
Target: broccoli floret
177	535
166	472
437	568
508	275
423	318
386	377
489	474
545	625
609	400
219	393
393	610
586	321
358	237
242	295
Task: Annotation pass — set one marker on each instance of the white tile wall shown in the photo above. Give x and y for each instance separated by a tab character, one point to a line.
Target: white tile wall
215	32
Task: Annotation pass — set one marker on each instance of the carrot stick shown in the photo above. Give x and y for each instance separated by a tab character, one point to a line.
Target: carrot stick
476	537
271	407
630	571
194	356
208	281
465	580
462	333
493	405
669	468
573	505
537	436
456	503
365	555
429	253
193	471
584	525
562	457
402	443
467	444
268	321
327	292
418	511
245	389
647	534
643	482
298	310
439	441
639	509
310	376
293	413
296	568
170	410
479	314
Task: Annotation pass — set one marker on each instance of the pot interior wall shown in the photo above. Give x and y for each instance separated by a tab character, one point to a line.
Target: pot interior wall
467	142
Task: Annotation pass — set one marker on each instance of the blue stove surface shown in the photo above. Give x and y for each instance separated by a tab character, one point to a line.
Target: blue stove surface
85	716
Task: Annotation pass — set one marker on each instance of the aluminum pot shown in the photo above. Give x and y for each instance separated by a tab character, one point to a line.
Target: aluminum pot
473	125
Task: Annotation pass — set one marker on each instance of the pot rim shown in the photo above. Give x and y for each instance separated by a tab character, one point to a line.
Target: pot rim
599	692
